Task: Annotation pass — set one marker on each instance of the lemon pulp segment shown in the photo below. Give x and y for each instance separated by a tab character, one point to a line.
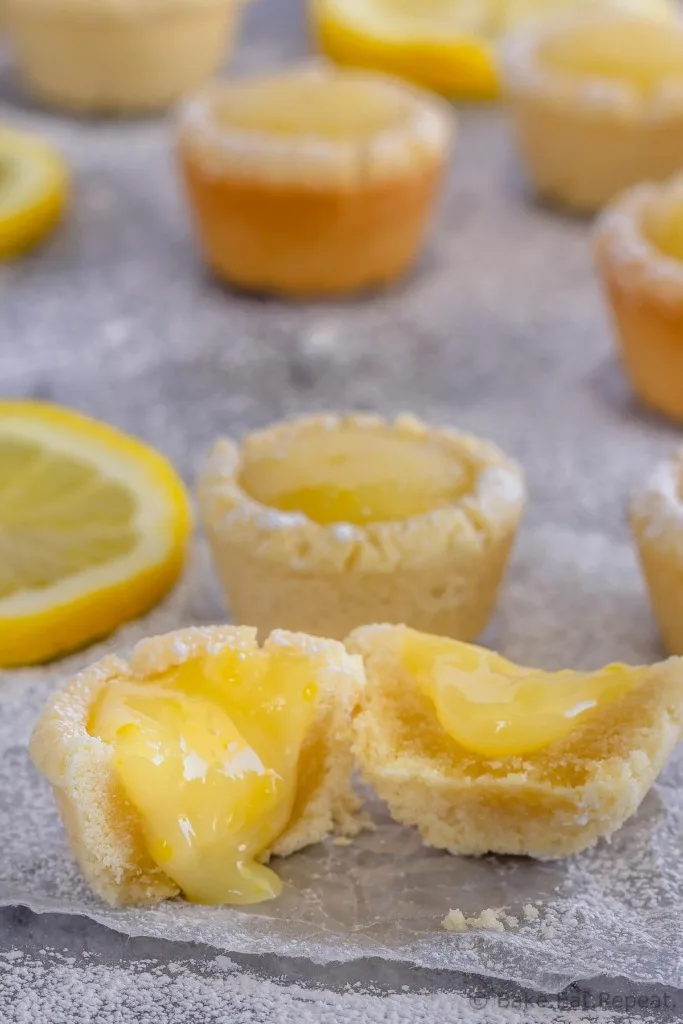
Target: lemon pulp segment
58	516
355	476
495	708
208	755
638	52
93	530
33	191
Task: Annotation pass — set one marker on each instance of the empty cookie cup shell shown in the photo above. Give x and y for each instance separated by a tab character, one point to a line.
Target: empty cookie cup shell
547	804
440	569
312	182
656	516
643	286
582	135
116	57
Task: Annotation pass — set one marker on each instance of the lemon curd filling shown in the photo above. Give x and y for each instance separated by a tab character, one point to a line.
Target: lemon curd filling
495	708
356	477
339	109
636	52
207	753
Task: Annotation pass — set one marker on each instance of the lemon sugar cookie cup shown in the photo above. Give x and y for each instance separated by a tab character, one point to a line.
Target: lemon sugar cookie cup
583	135
119	56
313	182
643	286
437	571
549	803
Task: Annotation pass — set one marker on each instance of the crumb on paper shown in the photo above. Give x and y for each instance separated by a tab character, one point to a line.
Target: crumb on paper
530	912
488	920
455	921
342	841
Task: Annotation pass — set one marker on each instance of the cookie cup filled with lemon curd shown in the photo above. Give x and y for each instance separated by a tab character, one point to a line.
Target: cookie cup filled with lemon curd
185	769
312	181
329	522
118	56
639	251
656	517
484	756
597	102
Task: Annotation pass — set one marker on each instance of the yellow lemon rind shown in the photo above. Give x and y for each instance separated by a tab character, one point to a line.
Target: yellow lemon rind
27	225
459	66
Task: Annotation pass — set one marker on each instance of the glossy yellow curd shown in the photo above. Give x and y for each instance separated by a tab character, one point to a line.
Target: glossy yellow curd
497	709
631	51
353	476
207	753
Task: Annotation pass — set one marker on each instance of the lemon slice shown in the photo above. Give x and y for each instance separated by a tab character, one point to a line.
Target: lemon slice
93	530
33	191
449	46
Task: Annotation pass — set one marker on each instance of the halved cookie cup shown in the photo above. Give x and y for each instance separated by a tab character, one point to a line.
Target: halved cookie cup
105	831
546	805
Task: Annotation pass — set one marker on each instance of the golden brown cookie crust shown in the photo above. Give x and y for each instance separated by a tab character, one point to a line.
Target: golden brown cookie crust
644	288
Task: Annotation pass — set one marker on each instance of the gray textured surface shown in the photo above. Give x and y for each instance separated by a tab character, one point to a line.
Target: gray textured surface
500	330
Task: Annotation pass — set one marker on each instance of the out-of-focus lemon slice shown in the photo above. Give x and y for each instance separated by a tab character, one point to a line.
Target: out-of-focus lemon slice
93	530
445	45
33	190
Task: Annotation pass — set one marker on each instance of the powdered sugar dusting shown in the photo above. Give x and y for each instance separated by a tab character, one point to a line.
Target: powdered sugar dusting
346	532
500	491
659	505
273	519
51	987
